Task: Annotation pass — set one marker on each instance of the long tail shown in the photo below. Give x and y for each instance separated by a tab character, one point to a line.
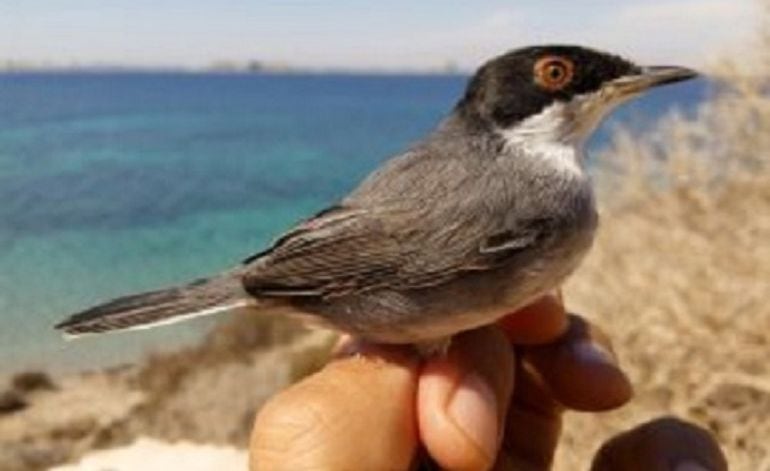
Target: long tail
166	306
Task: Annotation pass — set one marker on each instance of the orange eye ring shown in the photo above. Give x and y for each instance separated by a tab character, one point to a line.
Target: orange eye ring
553	73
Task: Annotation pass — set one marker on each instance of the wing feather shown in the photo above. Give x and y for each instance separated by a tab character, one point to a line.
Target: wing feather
348	250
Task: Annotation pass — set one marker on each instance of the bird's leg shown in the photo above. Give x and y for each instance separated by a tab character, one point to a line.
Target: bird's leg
434	347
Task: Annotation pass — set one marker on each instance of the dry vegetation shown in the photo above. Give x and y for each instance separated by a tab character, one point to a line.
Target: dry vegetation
680	274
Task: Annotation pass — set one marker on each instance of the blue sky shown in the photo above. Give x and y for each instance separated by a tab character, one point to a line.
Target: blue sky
395	34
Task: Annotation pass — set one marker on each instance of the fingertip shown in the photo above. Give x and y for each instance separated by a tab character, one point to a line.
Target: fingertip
463	398
458	420
667	443
581	370
540	322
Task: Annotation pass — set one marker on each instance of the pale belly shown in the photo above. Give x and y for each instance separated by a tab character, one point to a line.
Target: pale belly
505	294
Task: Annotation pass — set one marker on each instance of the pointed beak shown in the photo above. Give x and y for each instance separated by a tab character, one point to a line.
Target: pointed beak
648	77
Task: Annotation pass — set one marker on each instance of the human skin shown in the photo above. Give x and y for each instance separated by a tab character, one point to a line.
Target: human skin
495	401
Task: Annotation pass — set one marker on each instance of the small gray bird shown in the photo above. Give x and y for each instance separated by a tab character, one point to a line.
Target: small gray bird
488	212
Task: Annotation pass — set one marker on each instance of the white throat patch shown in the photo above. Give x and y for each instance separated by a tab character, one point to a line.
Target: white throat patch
558	133
543	135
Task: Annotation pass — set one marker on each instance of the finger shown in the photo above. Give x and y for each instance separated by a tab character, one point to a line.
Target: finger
540	322
545	378
663	444
357	413
533	424
580	369
462	400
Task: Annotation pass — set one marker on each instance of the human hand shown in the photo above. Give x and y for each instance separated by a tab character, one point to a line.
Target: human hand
484	404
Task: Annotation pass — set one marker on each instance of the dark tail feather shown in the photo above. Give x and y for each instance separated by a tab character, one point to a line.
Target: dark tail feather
154	308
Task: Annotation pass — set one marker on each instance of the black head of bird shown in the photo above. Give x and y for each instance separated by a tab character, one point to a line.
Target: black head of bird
566	90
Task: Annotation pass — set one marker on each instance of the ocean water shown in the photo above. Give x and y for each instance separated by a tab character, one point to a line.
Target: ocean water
116	183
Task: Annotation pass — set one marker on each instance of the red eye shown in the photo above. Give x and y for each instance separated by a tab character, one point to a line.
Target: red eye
553	72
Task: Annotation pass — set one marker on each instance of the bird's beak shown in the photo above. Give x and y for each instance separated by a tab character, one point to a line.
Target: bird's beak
612	93
648	77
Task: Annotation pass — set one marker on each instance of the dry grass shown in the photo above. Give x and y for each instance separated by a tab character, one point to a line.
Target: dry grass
680	274
197	393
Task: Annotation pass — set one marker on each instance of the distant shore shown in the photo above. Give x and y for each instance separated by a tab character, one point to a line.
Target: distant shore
223	68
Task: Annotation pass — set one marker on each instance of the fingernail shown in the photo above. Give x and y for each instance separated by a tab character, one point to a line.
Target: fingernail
593	352
473	408
690	466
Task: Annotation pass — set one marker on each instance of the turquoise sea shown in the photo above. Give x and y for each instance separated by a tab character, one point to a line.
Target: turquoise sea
112	183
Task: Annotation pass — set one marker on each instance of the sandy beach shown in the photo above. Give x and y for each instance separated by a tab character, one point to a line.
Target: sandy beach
153	455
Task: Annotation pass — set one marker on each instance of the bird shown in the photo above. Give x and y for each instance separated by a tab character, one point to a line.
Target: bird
489	211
